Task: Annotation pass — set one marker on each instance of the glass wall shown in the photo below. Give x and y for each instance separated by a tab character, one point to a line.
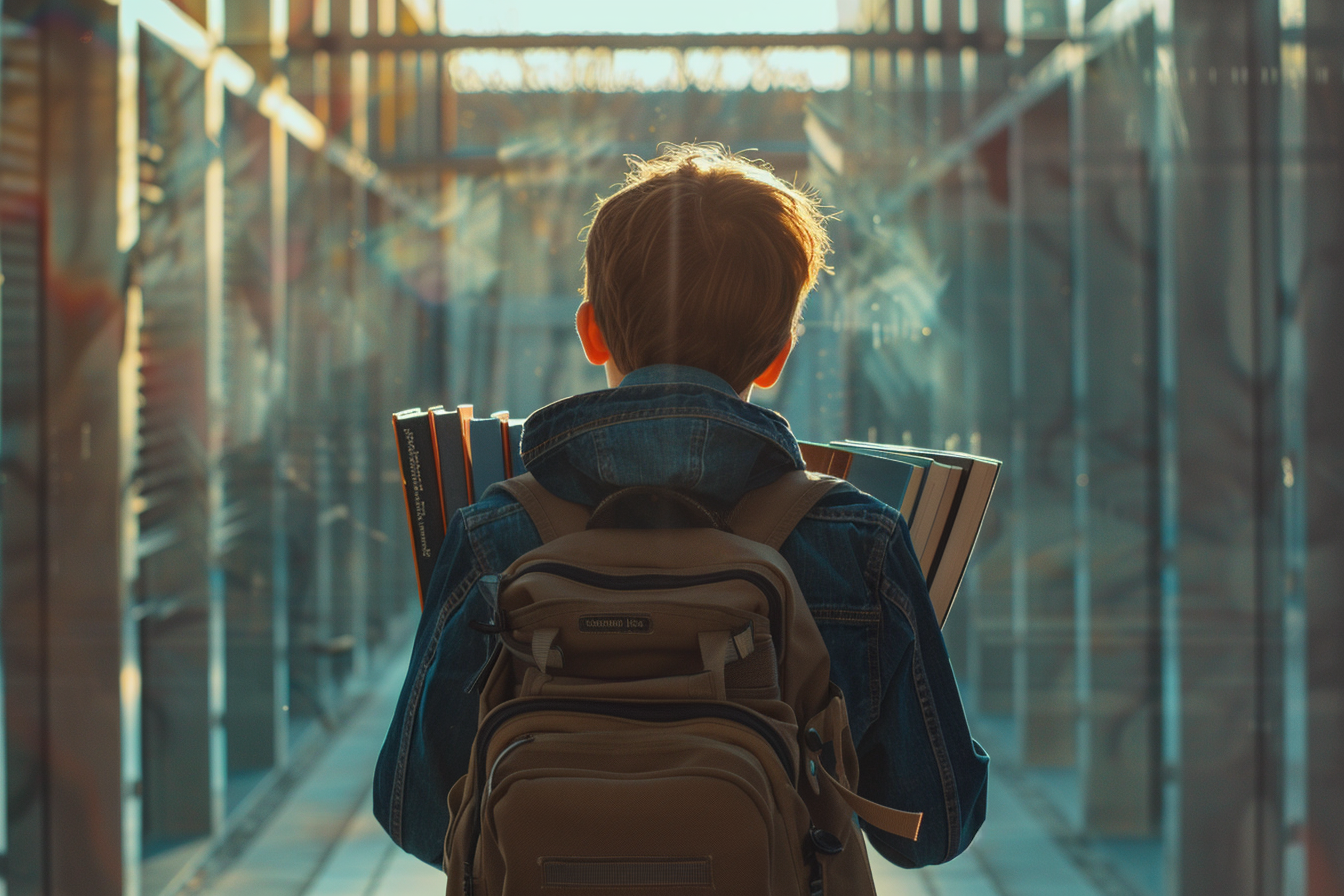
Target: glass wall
1095	240
212	305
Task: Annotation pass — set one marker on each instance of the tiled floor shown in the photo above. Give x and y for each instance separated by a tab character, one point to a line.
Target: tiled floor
324	840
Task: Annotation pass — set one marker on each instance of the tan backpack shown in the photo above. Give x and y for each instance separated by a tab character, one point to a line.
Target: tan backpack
658	714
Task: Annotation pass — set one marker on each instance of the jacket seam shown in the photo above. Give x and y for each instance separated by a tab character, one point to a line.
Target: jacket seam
873	576
932	727
473	519
845	614
880	516
413	702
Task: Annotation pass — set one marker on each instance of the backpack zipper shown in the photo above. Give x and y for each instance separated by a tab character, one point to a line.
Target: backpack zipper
657	581
641	712
513	745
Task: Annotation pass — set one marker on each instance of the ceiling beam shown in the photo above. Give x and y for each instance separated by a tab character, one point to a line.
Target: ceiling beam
983	41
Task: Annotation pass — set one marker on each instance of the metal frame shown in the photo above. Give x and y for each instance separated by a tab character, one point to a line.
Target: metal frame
1292	400
1017	387
4	742
1164	139
1080	396
217	406
972	185
950	41
279	442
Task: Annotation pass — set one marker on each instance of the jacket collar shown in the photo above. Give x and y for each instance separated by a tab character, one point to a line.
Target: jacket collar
667	425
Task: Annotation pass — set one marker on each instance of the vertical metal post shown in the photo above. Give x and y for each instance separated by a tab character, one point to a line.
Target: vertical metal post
279	30
1014	24
1292	400
933	138
1078	311
1017	387
4	745
128	409
323	554
279	437
216	404
1168	446
359	548
972	187
905	16
360	477
128	447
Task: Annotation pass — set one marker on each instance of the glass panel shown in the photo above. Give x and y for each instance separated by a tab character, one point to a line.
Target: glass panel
171	591
22	587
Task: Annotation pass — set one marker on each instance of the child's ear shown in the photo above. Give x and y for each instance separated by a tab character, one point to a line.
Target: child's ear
770	375
594	344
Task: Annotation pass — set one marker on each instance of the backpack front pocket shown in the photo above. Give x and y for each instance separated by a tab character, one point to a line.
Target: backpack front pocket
651	810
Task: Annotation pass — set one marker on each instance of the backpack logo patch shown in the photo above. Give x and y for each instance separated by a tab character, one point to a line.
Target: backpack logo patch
622	625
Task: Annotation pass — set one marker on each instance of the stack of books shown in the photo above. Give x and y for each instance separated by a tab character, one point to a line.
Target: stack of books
943	496
450	457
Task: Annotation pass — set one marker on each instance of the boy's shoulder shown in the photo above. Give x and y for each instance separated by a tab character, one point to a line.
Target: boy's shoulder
845	533
498	514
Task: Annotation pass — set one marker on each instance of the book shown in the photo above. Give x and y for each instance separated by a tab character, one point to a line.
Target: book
842	459
420	483
979	475
938	529
822	458
918	470
968	492
451	458
489	457
881	474
515	453
448	459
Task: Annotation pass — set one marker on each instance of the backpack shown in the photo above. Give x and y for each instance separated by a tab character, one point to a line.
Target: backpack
657	713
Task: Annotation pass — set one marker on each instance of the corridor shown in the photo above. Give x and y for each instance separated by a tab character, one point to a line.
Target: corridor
1095	241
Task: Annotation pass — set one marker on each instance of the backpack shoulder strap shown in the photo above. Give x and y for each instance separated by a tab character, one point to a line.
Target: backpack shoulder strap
552	516
768	514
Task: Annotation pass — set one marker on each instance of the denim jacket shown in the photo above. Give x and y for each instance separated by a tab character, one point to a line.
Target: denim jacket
686	428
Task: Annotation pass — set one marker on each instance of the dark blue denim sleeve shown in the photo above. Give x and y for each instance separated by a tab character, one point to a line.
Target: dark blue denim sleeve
426	751
918	755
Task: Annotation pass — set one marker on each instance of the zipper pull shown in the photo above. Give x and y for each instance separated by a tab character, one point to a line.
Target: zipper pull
478	681
490	781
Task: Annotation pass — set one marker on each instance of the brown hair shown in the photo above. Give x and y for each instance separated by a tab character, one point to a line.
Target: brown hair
702	258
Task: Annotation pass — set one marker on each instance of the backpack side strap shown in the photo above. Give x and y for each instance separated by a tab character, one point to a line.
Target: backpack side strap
552	516
768	514
831	726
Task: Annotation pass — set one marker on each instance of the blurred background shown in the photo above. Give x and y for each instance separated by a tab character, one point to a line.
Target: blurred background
1097	240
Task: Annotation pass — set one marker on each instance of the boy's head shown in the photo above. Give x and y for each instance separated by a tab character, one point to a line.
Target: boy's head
702	259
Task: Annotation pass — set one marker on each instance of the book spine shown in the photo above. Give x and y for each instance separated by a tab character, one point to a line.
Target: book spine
464	415
516	448
419	479
449	460
438	462
505	451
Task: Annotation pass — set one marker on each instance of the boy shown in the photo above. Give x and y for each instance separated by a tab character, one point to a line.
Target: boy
694	278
